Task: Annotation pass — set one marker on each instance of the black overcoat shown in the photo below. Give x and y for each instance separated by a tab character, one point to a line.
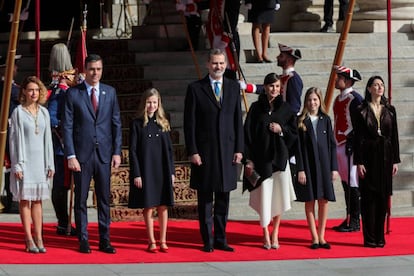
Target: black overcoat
268	151
150	157
376	152
213	130
317	158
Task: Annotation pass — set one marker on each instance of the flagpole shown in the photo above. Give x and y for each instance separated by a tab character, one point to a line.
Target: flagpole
8	78
339	53
388	213
37	37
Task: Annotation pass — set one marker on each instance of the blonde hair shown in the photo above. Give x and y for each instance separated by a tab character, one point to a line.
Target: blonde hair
42	87
160	114
312	90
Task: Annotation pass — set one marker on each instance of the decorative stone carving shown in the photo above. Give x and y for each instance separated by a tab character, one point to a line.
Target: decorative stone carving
185	198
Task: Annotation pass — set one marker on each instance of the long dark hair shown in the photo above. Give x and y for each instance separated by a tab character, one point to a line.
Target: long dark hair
368	97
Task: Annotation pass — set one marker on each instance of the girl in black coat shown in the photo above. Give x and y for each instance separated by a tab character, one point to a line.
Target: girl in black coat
376	156
151	166
316	164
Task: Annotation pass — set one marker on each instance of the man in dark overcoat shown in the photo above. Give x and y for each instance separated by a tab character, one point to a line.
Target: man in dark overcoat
213	131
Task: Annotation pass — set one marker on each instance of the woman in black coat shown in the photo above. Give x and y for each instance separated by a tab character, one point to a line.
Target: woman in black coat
151	165
316	164
270	131
376	155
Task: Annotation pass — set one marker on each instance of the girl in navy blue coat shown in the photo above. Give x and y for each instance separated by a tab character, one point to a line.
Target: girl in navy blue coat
316	164
152	170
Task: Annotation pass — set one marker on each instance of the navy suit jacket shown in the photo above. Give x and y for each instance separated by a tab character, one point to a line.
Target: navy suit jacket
83	131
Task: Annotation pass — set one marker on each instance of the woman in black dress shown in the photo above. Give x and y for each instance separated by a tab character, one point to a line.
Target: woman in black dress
262	15
316	164
152	170
376	155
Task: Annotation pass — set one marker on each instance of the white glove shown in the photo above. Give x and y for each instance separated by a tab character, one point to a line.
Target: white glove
24	15
180	7
243	85
248	6
277	7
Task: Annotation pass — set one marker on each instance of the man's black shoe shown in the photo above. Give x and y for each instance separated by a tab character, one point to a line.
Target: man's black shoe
327	29
344	223
347	229
224	247
105	246
64	231
207	248
84	247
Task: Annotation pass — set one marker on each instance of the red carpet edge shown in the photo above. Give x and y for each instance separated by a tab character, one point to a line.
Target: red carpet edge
184	242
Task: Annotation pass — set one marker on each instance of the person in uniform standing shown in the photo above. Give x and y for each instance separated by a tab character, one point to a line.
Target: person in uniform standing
292	84
345	104
63	77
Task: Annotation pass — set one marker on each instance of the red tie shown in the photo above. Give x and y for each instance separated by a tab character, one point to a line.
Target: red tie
93	100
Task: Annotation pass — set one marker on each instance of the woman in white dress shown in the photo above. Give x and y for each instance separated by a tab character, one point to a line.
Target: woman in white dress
270	131
31	154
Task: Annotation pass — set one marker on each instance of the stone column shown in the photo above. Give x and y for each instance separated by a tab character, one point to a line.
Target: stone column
371	16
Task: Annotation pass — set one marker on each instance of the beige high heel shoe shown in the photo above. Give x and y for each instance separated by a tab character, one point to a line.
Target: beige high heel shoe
40	246
31	247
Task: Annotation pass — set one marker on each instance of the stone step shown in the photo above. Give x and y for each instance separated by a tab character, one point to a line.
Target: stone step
164	58
305	68
406	143
407	161
159	31
328	53
319	40
158	44
309	53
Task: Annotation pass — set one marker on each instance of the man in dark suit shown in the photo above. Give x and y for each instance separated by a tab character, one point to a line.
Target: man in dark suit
92	139
214	142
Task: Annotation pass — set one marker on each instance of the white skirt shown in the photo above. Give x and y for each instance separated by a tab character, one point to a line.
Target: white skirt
273	197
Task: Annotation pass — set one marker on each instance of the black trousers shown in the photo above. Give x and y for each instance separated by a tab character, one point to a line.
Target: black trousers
194	28
373	212
213	209
60	192
328	11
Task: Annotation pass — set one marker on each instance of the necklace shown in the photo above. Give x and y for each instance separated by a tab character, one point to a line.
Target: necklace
377	113
34	114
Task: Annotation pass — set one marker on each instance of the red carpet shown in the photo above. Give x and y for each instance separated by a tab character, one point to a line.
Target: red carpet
185	243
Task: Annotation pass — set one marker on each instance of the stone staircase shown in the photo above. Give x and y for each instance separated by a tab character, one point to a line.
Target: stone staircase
156	57
159	51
